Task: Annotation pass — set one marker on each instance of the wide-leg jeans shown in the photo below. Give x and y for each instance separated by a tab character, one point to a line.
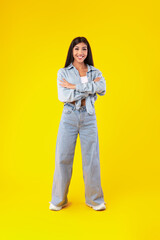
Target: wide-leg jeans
72	123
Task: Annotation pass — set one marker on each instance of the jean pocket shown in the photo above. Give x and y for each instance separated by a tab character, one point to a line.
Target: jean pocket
91	114
67	110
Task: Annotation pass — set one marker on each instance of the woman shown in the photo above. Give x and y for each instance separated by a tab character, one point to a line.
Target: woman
78	84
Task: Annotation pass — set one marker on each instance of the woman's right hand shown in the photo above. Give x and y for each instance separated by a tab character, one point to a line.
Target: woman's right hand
97	79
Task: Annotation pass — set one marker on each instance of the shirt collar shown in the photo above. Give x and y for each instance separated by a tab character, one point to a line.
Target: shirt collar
90	67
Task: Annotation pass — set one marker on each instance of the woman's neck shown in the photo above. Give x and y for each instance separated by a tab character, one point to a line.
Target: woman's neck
80	66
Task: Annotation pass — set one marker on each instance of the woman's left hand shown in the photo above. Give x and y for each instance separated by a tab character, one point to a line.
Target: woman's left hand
66	84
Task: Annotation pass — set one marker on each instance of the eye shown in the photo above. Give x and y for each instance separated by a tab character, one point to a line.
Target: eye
83	48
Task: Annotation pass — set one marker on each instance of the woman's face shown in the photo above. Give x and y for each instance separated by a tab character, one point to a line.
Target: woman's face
80	52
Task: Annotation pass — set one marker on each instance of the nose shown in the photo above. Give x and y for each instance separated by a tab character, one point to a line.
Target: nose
80	52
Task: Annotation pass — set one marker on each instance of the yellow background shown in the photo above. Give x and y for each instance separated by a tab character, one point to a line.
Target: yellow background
124	38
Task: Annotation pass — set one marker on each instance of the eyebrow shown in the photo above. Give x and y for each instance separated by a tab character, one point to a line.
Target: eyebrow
82	47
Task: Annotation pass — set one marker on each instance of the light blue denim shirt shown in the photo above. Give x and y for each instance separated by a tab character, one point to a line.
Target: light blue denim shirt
87	90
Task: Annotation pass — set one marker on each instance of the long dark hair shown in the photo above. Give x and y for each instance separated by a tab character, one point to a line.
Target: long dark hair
75	41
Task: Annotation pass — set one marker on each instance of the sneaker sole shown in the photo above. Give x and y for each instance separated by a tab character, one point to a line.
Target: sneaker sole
96	207
57	208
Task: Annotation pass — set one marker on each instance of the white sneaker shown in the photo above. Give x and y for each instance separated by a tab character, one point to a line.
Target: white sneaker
56	208
98	207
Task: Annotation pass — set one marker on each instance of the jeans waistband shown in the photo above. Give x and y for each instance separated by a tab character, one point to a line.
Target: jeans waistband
74	107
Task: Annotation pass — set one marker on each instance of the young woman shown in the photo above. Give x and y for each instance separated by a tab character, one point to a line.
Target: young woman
78	84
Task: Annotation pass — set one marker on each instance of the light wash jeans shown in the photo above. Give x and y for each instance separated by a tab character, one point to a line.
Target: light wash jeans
72	122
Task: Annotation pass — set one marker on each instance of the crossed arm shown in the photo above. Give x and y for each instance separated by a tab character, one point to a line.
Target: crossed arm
68	92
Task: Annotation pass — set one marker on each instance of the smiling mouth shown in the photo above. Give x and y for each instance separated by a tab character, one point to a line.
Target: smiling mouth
81	57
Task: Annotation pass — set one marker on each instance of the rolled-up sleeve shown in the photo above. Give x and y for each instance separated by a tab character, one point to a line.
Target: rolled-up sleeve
93	87
67	94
